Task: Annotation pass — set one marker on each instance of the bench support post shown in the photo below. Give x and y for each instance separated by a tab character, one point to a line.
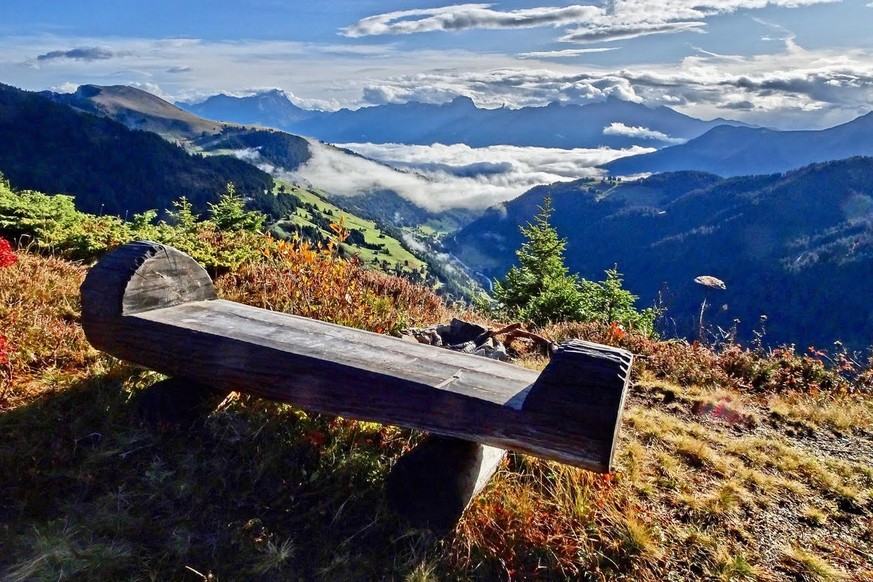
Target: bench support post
433	484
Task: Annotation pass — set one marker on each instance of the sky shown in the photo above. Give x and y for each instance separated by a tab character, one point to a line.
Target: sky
784	63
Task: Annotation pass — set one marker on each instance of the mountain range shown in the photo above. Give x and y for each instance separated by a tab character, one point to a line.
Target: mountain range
612	123
740	151
796	247
283	154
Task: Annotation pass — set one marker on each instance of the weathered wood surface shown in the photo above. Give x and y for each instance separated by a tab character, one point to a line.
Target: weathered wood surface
154	306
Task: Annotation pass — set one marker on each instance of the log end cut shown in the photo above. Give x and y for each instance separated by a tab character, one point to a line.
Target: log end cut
138	277
583	388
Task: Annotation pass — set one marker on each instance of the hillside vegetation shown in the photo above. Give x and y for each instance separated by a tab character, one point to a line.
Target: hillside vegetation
109	168
795	247
733	463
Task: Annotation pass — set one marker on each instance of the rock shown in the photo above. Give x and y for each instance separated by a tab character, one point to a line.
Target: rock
466	347
460	332
460	336
499	353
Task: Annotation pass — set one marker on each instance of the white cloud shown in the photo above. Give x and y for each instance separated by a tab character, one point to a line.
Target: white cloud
620	31
467	16
439	177
643	133
621	19
65	88
780	89
565	53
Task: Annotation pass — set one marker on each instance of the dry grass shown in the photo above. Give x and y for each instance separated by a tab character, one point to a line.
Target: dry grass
710	483
823	411
39	310
808	566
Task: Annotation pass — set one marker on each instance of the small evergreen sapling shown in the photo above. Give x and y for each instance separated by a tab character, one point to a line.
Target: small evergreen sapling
541	290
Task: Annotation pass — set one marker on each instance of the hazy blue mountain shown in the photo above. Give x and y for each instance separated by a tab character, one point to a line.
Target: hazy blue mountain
268	109
737	151
797	247
460	121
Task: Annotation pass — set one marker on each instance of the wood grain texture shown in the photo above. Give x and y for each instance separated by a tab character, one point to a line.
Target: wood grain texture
153	306
584	382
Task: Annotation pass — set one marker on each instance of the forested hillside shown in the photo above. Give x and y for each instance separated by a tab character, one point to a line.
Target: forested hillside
797	247
109	168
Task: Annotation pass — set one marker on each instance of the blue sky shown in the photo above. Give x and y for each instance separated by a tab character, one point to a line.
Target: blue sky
786	63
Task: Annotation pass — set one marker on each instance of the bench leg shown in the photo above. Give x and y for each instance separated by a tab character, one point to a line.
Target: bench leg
178	403
433	484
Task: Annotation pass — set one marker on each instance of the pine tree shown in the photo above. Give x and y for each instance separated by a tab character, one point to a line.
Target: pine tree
540	289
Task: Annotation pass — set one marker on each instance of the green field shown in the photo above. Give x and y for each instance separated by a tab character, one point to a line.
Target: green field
393	253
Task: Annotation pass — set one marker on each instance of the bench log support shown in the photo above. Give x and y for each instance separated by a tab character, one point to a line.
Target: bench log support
152	305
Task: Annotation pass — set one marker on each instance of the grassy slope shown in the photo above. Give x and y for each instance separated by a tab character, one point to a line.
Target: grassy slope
712	482
394	252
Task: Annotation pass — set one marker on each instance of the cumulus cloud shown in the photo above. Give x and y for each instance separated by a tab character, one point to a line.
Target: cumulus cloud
65	87
439	177
787	87
778	89
94	53
642	133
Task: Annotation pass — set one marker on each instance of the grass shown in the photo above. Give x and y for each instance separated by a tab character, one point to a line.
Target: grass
806	565
394	253
261	490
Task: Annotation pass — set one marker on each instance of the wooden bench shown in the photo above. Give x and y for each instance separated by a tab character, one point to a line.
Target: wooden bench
152	305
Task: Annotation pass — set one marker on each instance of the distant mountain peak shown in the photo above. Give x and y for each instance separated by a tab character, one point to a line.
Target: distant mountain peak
729	150
462	101
87	91
270	107
276	93
460	120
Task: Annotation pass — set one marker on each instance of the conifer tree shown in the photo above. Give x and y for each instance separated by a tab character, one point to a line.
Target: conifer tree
540	289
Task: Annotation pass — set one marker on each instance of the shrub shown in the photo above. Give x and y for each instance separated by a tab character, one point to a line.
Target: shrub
314	281
7	256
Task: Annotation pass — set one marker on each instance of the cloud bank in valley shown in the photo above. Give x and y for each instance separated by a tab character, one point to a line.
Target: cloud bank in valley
439	177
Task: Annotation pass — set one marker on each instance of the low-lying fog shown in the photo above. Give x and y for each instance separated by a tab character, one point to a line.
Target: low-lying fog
438	177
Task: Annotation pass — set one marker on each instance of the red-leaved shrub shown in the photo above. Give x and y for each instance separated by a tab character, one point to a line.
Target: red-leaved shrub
7	256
